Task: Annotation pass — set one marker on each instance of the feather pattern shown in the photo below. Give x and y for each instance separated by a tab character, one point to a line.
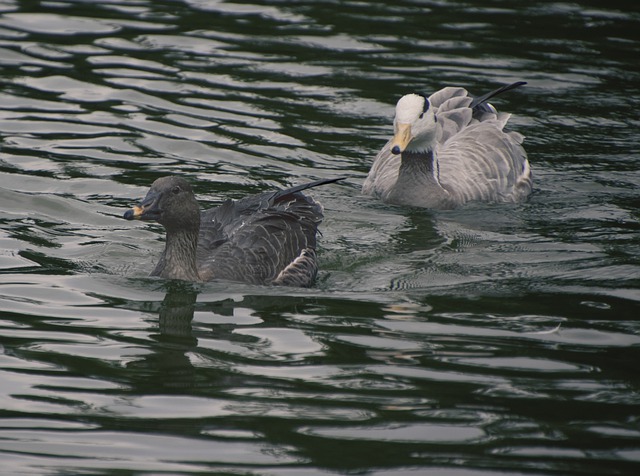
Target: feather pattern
457	152
266	238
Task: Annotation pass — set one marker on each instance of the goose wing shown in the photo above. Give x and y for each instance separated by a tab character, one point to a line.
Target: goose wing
265	238
482	162
475	159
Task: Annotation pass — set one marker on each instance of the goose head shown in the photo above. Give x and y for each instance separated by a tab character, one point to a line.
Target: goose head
171	202
414	125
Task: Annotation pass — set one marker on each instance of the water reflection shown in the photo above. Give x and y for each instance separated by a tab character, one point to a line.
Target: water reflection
176	313
170	361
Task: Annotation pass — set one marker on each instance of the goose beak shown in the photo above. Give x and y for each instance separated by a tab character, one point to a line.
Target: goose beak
148	209
133	213
402	138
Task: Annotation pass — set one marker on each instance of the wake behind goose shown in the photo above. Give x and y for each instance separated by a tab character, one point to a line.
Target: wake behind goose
449	149
266	238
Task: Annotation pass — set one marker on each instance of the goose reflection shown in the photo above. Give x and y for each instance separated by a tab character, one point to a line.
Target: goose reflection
170	362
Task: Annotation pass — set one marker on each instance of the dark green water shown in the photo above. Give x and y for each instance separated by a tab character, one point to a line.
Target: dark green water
487	340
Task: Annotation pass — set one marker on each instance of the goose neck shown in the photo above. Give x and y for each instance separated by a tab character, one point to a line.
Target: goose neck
417	162
178	260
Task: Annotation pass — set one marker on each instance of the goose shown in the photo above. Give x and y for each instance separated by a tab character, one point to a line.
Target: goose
449	149
266	238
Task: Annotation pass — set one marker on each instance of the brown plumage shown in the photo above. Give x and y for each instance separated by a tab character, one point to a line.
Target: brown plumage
266	238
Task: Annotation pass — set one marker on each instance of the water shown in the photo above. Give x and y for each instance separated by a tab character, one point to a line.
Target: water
491	339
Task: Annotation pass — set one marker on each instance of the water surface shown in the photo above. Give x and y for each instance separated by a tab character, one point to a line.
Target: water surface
489	339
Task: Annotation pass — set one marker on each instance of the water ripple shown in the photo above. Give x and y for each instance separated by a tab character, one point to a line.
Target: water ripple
491	339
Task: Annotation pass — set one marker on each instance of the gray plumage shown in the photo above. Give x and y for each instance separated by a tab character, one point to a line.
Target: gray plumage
266	238
449	149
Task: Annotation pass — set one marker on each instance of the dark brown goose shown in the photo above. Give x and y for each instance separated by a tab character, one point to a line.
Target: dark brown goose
266	238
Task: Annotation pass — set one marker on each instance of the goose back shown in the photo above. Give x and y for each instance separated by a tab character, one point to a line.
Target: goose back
476	159
268	238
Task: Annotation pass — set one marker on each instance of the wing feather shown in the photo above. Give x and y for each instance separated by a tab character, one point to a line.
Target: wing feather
256	239
482	162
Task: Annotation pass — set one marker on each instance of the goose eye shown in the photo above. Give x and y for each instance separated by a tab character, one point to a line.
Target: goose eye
176	190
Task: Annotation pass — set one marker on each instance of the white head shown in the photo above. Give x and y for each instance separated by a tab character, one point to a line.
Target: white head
414	126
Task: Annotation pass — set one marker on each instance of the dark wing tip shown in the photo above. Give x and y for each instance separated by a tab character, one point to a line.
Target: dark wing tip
304	186
485	97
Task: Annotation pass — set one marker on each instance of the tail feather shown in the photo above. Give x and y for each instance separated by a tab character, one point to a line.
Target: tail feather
477	102
299	188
